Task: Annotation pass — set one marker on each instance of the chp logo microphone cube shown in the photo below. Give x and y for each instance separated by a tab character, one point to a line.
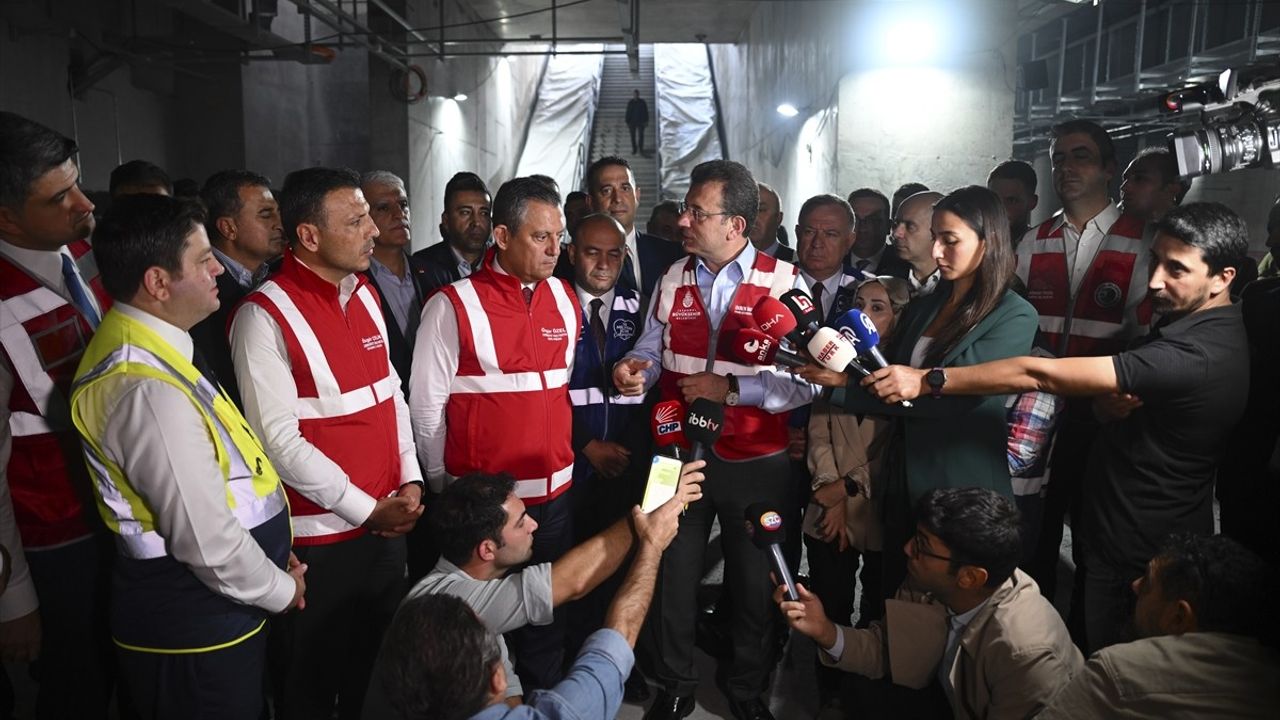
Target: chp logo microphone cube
668	423
765	528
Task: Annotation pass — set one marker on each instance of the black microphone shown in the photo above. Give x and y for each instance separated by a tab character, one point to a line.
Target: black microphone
807	317
764	527
703	426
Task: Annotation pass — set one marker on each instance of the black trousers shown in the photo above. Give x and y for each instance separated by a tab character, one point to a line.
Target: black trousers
324	653
1105	601
538	650
637	137
729	488
833	577
221	684
76	672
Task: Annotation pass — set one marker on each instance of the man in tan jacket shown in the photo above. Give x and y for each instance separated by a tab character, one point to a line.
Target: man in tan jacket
1205	613
966	617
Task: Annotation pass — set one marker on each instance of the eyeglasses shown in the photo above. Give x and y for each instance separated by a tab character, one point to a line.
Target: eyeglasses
698	215
918	548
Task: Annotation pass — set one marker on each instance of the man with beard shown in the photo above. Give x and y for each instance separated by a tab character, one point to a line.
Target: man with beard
465	225
490	389
243	223
320	392
1152	472
390	272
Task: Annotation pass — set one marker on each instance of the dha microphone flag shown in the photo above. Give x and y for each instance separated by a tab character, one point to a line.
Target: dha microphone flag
668	424
764	527
774	319
806	315
703	425
756	348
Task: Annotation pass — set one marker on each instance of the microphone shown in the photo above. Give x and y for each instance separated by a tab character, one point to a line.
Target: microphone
866	337
775	319
764	527
831	350
703	425
756	348
668	425
858	329
802	308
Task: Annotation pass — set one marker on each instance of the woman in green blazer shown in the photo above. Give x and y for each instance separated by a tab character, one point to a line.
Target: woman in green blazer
972	317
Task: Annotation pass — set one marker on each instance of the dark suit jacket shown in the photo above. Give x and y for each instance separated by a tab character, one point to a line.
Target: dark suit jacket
956	441
211	335
400	345
785	253
656	255
435	266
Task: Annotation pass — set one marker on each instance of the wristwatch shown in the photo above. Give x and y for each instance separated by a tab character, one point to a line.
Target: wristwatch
732	398
936	378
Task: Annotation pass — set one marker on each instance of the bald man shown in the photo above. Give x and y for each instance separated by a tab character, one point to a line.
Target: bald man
913	237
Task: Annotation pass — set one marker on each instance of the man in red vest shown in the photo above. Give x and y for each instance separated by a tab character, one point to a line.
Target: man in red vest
1085	270
490	385
311	355
698	301
50	303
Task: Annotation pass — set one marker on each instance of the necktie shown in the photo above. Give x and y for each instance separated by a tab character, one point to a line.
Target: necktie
629	273
528	295
202	364
597	325
818	289
75	288
861	266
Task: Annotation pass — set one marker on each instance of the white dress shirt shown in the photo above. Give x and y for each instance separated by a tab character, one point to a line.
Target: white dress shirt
830	287
160	441
1081	245
633	251
270	405
20	597
920	289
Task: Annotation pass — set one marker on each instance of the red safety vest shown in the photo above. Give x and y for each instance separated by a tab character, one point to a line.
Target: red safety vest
1109	308
508	408
43	337
749	432
346	395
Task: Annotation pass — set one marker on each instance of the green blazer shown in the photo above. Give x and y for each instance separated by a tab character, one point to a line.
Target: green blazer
956	441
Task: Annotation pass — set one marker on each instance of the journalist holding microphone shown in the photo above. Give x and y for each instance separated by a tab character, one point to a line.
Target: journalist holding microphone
972	317
698	306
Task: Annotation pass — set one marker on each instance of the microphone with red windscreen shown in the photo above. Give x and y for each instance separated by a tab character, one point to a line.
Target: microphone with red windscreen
754	347
668	425
775	319
804	311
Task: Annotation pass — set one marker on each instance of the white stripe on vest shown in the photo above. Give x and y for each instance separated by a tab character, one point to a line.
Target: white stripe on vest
494	380
26	365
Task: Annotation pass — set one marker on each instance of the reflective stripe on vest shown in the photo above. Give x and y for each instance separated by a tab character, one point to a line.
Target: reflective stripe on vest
254	492
494	379
26	364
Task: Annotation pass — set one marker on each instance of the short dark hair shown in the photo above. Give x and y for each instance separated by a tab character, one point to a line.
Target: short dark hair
437	659
548	181
302	197
1015	170
468	512
1230	588
513	199
1167	165
140	232
905	191
872	193
1096	133
139	173
602	163
741	196
28	150
670	206
1214	228
818	201
221	195
575	195
979	526
463	182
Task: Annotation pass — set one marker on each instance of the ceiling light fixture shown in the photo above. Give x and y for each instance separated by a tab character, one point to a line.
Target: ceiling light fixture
788	110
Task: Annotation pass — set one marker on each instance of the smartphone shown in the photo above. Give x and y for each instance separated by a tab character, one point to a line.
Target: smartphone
664	479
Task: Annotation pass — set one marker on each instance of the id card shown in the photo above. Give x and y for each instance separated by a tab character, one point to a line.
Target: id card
664	478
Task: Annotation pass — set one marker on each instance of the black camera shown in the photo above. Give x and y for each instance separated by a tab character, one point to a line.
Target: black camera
1239	123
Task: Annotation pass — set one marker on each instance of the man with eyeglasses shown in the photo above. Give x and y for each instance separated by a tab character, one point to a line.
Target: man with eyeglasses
967	620
707	297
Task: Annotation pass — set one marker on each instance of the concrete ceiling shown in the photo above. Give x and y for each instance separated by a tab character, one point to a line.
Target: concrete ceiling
722	21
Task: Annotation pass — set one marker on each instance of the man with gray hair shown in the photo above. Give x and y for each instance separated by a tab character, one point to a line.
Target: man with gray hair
390	272
489	388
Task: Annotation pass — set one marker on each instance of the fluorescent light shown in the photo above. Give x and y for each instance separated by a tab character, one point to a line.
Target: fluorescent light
460	97
788	110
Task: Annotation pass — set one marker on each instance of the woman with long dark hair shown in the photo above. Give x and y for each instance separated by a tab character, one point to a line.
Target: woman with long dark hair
972	317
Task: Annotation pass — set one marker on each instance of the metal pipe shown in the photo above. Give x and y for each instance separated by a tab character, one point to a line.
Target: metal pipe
340	16
1137	47
509	53
555	26
1097	55
1062	65
399	19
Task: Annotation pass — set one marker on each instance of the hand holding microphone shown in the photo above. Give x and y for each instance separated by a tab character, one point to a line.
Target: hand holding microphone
856	325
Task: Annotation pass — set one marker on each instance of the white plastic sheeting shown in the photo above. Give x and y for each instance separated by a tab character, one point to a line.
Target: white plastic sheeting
686	114
560	132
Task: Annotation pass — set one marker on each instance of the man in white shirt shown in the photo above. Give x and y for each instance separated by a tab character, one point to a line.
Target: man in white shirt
198	512
913	238
311	355
51	300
